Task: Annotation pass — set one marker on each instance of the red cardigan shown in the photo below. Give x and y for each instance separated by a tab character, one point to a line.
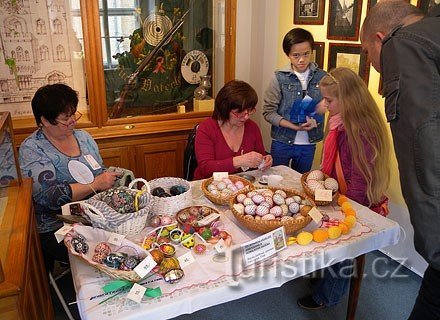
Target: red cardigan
213	153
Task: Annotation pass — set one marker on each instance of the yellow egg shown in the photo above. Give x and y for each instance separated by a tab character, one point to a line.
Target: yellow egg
334	232
350	221
346	205
320	235
304	238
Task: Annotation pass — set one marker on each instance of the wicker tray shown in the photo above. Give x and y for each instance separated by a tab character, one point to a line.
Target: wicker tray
171	205
263	226
310	192
94	236
225	201
201	212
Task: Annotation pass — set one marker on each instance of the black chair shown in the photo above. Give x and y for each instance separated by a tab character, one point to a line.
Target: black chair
189	156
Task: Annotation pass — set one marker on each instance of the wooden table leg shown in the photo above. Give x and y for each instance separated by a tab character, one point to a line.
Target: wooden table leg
355	286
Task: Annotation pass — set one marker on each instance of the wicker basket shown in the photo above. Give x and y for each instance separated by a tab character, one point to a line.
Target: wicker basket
133	224
170	205
225	201
264	226
102	236
310	192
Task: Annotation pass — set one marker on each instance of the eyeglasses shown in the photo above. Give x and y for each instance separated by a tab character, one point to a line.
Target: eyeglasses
297	55
244	113
73	118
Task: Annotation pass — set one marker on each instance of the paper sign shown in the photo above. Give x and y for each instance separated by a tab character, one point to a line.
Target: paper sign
208	219
60	233
93	163
145	266
136	293
323	195
220	246
186	259
80	172
315	214
219	176
116	239
264	247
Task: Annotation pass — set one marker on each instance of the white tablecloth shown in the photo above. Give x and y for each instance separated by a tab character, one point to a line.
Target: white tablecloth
207	283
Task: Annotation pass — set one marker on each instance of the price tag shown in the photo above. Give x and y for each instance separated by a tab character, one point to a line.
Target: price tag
220	246
315	214
136	293
93	163
60	233
219	176
145	266
116	239
323	195
186	259
208	219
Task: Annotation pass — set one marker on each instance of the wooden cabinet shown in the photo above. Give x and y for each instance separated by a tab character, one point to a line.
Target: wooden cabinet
24	292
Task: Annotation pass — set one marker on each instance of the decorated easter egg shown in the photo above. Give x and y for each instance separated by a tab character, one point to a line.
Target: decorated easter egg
269	200
252	193
282	193
278	199
250	209
211	187
331	184
239	185
285	209
268	217
276	211
240	197
314	185
304	210
315	175
289	200
267	193
232	187
227	181
304	238
239	207
188	241
286	218
267	204
258	198
155	221
294	207
221	185
165	220
262	210
248	202
297	199
176	190
157	191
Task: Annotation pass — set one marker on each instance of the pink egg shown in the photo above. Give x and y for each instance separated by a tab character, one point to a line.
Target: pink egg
165	220
155	221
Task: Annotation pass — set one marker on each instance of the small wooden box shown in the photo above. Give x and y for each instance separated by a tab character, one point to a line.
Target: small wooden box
204	105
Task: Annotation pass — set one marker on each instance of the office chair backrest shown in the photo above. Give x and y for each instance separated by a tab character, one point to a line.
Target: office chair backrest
189	157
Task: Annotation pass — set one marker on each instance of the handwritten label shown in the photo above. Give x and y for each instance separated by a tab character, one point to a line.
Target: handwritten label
60	233
93	163
145	266
315	214
208	219
264	247
136	293
116	239
220	246
219	176
186	259
323	195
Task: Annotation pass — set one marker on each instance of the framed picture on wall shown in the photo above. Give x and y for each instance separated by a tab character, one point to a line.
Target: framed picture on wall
371	3
344	19
318	54
425	5
308	11
349	56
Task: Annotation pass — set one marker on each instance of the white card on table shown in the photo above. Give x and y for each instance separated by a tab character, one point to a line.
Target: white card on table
315	214
186	259
323	195
219	176
116	239
145	266
136	293
220	246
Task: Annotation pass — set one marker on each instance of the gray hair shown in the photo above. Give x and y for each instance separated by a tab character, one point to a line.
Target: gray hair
386	15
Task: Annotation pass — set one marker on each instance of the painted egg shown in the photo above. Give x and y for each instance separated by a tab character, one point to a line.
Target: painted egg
252	193
239	207
258	198
165	220
331	184
297	199
262	210
250	209
289	200
269	200
240	197
227	181
239	184
276	211
268	217
314	184
315	175
305	210
267	193
232	187
215	192
188	241
211	187
221	185
248	202
294	207
157	191
282	193
155	221
285	209
286	218
267	204
278	199
176	190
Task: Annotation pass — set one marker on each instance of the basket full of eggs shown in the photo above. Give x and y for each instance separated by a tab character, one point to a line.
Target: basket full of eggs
221	191
266	209
316	179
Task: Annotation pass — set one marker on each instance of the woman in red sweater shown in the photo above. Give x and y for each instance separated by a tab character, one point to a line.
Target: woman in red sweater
229	140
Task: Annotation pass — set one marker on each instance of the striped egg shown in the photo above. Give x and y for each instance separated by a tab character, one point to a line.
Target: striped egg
294	207
276	211
211	187
266	204
252	193
221	185
315	175
227	181
239	185
267	193
331	184
262	210
278	199
285	209
269	200
268	217
239	207
282	193
289	200
257	199
248	202
215	192
240	197
250	209
232	187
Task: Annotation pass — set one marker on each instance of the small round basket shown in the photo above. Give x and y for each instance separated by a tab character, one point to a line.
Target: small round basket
169	206
310	192
248	186
264	226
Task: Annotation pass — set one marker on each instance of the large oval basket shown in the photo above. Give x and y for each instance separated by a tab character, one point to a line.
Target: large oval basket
309	192
264	226
225	201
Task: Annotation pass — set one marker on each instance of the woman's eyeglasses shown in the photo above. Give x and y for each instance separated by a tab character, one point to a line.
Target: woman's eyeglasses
73	118
244	113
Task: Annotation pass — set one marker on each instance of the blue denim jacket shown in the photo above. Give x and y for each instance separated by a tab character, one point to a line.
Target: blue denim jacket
280	96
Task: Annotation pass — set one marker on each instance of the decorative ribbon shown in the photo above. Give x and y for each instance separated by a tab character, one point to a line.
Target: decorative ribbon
118	286
159	67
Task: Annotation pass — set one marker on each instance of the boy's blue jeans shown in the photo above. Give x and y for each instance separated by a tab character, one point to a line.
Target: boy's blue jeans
331	288
301	155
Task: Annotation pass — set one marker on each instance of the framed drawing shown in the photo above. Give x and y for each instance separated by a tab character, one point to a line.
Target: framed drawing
318	54
371	3
344	19
349	56
425	5
308	12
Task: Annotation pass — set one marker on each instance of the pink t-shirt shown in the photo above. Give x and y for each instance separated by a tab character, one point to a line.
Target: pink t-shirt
213	153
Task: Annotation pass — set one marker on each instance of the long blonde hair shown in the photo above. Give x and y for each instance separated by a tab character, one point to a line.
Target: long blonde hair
363	124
